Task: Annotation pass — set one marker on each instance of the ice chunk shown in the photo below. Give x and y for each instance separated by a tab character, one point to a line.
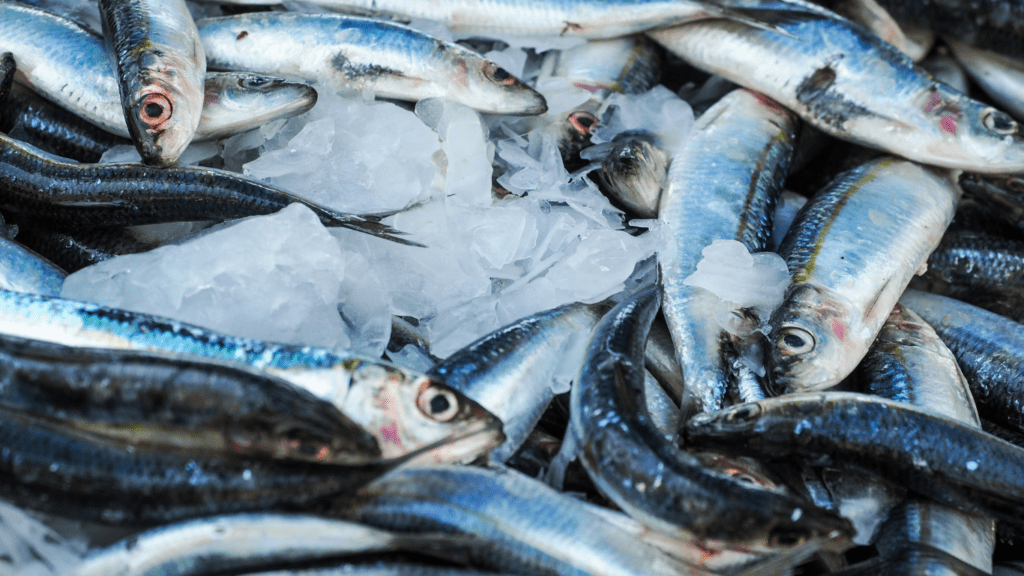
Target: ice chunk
512	59
194	153
274	277
757	281
561	94
657	111
350	155
467	167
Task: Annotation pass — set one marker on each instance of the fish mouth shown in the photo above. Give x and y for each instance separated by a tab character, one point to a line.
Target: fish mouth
476	439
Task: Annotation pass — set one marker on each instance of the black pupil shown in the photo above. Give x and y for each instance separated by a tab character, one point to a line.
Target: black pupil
1001	122
439	404
500	74
793	341
154	110
585	121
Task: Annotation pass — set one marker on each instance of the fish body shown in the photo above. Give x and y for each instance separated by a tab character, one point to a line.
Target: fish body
634	465
161	67
987	348
355	54
74	251
404	410
951	463
826	70
1001	77
722	185
851	251
513	372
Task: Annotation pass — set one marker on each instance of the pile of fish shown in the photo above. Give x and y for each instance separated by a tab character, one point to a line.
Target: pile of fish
796	349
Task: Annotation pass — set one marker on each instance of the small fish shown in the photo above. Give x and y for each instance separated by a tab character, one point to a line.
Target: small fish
355	54
236	102
851	251
155	48
825	69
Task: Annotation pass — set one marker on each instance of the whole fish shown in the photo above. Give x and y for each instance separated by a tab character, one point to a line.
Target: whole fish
152	400
643	473
826	69
22	270
355	54
722	185
50	189
155	48
851	251
939	458
244	542
1001	77
402	409
515	371
987	348
73	70
592	19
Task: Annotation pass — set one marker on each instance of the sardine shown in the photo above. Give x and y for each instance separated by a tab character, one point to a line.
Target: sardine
72	69
723	184
851	251
988	349
643	473
22	270
404	410
827	70
155	49
243	542
1001	77
355	54
515	371
869	14
949	462
50	189
634	172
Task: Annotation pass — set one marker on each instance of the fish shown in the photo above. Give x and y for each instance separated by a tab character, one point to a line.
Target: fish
22	270
515	371
643	473
8	67
50	189
987	348
1000	76
73	251
634	172
354	54
733	197
155	49
73	71
942	459
660	359
825	69
851	251
246	542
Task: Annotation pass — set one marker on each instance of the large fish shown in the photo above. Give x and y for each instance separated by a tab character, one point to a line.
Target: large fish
828	71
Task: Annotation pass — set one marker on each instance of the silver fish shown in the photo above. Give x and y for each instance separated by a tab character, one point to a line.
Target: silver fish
723	184
851	252
355	54
22	270
1001	77
827	70
73	71
155	48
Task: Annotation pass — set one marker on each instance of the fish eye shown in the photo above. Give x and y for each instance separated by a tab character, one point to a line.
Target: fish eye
583	122
256	81
998	122
498	75
743	414
155	109
794	341
786	536
437	403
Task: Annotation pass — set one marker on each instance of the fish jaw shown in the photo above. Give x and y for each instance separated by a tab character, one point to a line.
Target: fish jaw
810	343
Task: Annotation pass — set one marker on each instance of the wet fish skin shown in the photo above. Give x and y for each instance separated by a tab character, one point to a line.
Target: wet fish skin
1001	77
851	251
634	174
751	139
514	371
236	102
948	462
355	54
74	251
643	473
390	402
53	190
23	270
7	69
1000	195
987	348
161	66
148	399
48	467
821	70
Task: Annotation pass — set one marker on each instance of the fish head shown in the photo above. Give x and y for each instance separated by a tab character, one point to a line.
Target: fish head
408	412
809	341
163	111
238	101
487	87
635	172
968	134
